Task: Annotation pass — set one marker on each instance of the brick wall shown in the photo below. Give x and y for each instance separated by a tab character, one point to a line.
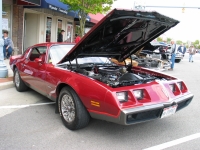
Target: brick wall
17	27
7	1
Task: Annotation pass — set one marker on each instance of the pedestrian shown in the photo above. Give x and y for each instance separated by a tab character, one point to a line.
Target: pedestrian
8	45
77	38
182	49
60	36
192	52
173	54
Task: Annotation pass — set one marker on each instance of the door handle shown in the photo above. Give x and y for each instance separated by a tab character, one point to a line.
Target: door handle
23	65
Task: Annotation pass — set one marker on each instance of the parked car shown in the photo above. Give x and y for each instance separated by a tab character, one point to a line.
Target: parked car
179	55
84	86
148	58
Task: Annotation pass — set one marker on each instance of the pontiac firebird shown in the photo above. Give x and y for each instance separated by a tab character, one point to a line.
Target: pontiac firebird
85	86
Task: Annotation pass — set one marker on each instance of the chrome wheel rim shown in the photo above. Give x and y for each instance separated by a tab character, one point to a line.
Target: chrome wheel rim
17	80
67	108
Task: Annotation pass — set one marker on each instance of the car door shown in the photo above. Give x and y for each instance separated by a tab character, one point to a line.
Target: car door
35	71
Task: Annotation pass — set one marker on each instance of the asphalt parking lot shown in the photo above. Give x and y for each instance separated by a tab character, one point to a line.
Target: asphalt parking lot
28	121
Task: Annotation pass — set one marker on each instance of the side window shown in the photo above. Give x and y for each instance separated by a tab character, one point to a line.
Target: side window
38	52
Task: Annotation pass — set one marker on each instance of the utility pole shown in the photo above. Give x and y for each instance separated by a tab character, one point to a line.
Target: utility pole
3	68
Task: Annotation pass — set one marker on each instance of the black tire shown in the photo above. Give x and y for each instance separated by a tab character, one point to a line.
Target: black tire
78	113
177	60
19	83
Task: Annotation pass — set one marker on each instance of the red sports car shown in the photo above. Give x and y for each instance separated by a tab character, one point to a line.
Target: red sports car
84	85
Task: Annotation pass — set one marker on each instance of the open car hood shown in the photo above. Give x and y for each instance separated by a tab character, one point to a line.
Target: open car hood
120	34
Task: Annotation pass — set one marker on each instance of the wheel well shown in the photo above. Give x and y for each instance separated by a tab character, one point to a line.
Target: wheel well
59	88
14	67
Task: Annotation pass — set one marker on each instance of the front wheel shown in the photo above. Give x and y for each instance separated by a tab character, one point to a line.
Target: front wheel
177	60
73	113
19	83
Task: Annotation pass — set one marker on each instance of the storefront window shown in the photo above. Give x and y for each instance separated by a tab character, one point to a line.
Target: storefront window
48	29
69	32
6	18
59	26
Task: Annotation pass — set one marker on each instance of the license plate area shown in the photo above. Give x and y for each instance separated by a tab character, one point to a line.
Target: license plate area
168	111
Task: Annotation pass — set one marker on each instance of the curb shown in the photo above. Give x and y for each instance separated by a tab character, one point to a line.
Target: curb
6	85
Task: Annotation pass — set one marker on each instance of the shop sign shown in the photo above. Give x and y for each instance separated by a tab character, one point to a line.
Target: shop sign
4	23
58	9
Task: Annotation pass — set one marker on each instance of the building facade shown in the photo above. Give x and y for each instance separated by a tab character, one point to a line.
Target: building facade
44	25
36	21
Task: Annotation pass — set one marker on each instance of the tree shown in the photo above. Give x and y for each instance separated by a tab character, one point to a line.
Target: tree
87	6
179	42
196	42
159	39
169	40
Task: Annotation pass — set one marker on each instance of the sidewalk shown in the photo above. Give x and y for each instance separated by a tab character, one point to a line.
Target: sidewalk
6	83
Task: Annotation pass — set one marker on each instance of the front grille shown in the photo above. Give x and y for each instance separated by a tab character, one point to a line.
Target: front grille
143	116
183	104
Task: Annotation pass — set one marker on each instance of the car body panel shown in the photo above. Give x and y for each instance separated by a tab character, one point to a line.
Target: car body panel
98	98
99	86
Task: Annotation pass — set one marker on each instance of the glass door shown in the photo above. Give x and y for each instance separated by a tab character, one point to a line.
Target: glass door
69	32
59	26
48	29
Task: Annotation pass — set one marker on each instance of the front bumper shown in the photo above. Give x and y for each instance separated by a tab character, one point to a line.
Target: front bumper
150	112
145	113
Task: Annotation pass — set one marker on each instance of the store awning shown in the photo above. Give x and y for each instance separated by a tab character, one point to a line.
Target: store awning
95	18
29	2
58	6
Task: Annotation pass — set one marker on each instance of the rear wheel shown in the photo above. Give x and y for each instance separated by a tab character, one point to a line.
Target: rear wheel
19	83
73	113
177	60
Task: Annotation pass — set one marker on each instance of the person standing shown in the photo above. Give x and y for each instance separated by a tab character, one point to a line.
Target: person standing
60	36
77	38
8	45
182	49
173	55
192	52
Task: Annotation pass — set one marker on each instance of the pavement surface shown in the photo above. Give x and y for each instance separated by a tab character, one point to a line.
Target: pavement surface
28	121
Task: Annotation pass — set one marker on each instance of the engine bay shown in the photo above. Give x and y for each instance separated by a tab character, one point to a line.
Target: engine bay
116	76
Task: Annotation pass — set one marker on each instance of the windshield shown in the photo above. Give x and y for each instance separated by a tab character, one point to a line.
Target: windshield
57	52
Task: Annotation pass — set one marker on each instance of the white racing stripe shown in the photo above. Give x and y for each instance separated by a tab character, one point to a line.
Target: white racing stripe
23	106
174	142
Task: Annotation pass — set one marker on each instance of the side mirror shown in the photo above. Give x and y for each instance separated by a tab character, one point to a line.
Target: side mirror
38	60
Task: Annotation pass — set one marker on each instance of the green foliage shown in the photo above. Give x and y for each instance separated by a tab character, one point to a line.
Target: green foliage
179	42
88	6
159	39
169	40
196	42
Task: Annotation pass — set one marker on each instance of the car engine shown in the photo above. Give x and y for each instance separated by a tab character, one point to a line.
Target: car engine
116	76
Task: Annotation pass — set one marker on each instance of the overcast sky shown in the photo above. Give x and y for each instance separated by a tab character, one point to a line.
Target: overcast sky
189	26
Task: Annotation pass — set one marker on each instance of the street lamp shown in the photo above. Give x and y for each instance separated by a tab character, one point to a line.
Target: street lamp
3	68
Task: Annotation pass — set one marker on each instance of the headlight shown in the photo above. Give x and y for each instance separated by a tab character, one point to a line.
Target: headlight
122	96
172	87
138	94
179	84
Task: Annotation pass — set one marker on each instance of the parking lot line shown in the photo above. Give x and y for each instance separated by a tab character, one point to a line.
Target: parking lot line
174	142
28	105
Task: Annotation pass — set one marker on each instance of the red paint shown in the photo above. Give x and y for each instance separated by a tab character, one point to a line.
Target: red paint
46	78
